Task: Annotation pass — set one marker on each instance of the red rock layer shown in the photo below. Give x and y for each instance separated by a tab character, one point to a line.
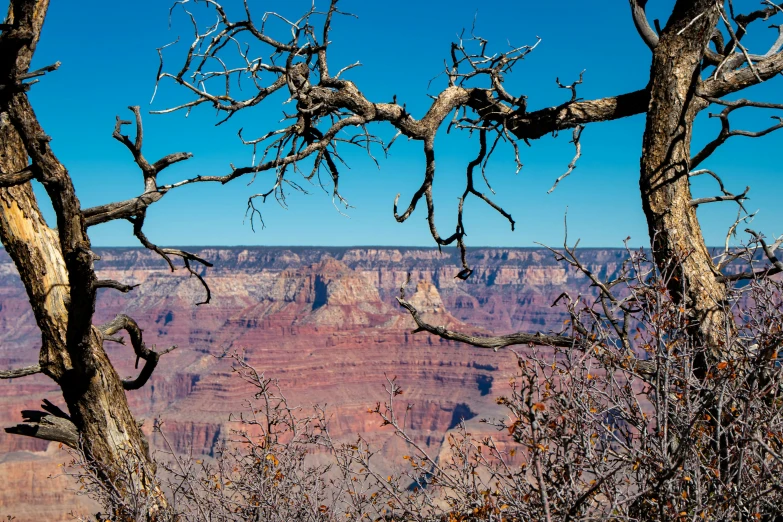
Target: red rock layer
322	321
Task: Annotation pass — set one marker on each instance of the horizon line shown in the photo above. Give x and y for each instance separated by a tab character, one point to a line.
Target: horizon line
410	247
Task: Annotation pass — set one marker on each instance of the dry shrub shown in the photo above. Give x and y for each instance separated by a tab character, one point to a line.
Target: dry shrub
633	421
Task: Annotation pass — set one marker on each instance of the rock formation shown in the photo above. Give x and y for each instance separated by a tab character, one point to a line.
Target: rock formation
321	320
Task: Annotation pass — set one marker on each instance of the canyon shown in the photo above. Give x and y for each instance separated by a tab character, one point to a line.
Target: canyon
322	321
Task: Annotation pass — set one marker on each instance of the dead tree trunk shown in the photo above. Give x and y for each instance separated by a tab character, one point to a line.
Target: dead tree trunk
56	267
677	242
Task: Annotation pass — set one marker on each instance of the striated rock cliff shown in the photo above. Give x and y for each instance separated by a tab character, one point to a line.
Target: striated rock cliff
321	320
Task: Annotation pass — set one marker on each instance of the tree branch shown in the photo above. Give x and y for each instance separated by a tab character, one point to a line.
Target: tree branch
726	132
739	79
728	197
151	357
769	251
20	372
327	107
166	253
121	209
39	72
642	25
52	425
152	193
495	343
110	283
17	178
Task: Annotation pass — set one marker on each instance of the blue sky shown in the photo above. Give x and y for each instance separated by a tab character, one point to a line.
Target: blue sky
109	61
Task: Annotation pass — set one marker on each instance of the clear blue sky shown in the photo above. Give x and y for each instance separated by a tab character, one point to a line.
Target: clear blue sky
109	61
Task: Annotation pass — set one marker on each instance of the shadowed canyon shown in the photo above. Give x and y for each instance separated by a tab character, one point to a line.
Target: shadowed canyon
323	321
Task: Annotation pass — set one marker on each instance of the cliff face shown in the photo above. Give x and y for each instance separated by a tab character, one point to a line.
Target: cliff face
321	320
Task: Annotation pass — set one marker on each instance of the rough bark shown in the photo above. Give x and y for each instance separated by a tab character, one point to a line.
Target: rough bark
678	244
51	424
56	268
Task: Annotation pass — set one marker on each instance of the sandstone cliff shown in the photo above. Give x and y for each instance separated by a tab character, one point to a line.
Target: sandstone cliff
321	320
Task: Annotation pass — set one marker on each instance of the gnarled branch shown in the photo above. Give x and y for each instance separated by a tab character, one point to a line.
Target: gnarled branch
739	198
17	178
152	193
642	25
151	357
522	338
53	424
495	343
769	252
167	253
116	285
726	132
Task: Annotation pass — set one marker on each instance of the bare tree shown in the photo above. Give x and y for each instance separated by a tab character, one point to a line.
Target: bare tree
56	267
697	58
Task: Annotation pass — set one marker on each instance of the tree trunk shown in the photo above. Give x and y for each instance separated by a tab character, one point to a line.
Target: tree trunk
56	267
677	242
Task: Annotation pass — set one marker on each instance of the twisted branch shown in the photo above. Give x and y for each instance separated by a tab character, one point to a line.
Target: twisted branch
151	357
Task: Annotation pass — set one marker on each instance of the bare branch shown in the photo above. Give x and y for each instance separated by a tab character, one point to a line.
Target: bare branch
701	172
571	87
39	72
52	425
20	372
167	253
152	193
151	357
495	343
726	132
571	166
116	285
728	197
739	79
769	252
642	25
327	105
17	178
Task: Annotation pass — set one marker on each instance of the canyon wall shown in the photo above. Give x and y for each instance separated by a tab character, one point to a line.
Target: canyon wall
321	320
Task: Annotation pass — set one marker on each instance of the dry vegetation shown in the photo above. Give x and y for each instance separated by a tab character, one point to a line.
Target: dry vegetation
598	432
